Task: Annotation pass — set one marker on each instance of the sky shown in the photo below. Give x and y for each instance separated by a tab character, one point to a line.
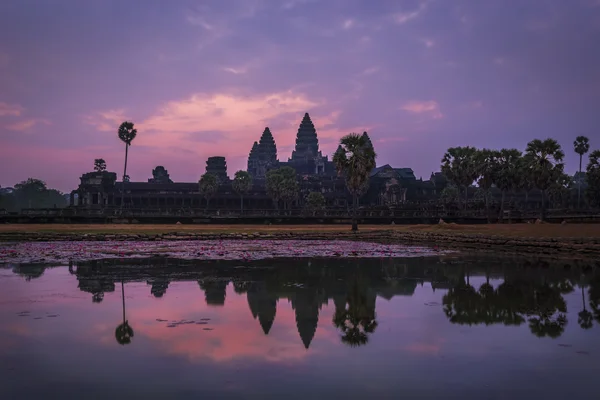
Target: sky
204	78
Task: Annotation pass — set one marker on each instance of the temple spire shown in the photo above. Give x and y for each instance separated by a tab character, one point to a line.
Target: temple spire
307	143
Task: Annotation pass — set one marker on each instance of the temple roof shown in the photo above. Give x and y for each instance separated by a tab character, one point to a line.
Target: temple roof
306	138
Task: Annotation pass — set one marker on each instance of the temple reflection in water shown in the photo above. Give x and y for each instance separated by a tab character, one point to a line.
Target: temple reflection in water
530	293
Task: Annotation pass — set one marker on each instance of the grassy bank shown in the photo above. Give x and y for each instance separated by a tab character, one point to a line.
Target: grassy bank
492	230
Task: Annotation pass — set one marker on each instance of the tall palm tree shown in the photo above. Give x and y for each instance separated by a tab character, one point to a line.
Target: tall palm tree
126	133
581	146
355	161
242	183
544	162
208	185
124	332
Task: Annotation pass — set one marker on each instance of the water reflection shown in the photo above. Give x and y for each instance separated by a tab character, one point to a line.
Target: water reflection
531	294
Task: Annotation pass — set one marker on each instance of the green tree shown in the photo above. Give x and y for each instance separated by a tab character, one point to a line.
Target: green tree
581	146
126	133
354	162
99	165
487	164
459	165
315	201
544	163
560	190
508	174
282	185
208	186
124	332
593	178
242	183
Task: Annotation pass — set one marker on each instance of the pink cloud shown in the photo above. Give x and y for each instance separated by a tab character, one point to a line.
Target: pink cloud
13	110
25	125
420	107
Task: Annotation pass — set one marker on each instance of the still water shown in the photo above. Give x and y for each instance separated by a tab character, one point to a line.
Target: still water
384	328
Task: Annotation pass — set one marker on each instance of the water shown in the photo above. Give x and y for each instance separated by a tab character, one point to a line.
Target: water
384	328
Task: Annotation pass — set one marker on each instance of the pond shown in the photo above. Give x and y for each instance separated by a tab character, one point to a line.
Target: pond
418	327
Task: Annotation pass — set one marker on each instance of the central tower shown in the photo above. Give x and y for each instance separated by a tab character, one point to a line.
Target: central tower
307	143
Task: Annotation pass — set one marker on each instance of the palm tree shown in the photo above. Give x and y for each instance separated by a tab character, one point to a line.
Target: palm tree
126	133
459	165
242	183
508	175
592	177
124	332
355	161
487	163
581	146
208	185
544	162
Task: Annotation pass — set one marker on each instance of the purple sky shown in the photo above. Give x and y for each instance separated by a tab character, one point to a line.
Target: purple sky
202	78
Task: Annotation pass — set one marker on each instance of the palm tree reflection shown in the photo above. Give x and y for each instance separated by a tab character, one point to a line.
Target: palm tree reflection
124	332
355	317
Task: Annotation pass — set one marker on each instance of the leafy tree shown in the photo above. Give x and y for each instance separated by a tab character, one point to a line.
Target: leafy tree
593	178
208	186
242	183
282	185
126	133
459	165
581	146
354	162
99	165
544	163
508	174
315	201
487	164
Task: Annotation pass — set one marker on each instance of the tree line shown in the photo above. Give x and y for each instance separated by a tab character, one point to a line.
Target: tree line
31	193
540	167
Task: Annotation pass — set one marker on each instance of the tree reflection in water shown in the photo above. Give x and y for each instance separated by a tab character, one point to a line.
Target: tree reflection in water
518	294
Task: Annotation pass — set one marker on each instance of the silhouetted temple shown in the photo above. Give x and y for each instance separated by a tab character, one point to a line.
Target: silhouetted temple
316	173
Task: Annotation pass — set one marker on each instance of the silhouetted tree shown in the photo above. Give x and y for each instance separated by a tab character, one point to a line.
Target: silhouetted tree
99	165
355	162
208	186
593	178
282	185
315	201
459	166
508	174
242	183
581	146
126	133
544	161
487	164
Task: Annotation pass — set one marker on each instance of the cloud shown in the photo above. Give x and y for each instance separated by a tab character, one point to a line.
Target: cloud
423	107
349	23
106	121
236	71
428	42
370	71
404	17
13	110
25	125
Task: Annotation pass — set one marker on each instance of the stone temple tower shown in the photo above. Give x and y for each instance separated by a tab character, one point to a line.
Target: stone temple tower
307	143
263	156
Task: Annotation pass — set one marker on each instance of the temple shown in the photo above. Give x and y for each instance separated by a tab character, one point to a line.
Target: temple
388	186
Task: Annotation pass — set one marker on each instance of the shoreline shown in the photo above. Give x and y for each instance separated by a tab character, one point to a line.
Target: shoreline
456	237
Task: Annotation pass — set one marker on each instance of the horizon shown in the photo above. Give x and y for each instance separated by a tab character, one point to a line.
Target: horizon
419	76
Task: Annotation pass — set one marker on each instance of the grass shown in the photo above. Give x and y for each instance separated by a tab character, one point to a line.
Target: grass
509	230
